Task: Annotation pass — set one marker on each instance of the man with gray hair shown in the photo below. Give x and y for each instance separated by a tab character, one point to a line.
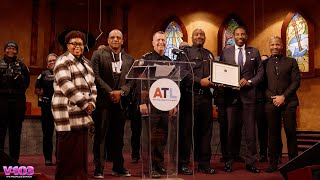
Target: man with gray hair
110	65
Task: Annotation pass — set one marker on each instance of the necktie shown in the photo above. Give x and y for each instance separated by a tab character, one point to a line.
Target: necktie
240	59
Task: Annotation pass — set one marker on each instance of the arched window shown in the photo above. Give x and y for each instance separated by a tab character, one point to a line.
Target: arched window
226	31
176	33
296	32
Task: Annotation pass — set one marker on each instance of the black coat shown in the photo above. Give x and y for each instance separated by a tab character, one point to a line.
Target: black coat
252	70
104	77
282	77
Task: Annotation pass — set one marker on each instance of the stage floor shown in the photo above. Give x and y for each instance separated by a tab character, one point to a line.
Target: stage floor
239	173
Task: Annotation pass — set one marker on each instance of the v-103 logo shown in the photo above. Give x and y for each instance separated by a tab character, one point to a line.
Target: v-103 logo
164	94
26	171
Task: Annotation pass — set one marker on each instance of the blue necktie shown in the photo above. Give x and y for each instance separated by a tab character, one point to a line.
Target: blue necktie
240	59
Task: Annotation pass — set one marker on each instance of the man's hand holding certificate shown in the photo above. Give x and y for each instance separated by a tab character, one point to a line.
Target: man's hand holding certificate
226	74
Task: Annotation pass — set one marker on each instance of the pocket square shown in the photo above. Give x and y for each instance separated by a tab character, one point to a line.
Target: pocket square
252	59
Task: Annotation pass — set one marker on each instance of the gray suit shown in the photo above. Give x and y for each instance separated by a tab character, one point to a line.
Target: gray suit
242	102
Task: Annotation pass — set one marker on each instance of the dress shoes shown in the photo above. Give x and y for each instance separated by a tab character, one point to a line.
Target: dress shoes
185	170
48	162
98	173
155	174
272	168
160	169
228	167
207	170
121	172
252	168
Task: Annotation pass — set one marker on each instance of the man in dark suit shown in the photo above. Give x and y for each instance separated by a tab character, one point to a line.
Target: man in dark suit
219	101
240	103
110	65
282	82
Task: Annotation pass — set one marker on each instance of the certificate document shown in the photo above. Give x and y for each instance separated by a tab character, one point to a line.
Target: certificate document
227	74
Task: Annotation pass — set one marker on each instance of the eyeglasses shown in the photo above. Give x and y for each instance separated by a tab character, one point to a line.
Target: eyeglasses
74	44
52	61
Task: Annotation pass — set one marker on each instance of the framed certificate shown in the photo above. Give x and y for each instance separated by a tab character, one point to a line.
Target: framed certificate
227	74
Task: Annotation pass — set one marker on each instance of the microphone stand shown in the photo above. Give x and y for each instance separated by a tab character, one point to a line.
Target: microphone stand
192	110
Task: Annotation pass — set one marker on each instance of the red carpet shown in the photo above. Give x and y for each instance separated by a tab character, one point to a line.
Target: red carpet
238	174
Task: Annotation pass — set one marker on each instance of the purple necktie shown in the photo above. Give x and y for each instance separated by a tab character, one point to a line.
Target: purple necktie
240	59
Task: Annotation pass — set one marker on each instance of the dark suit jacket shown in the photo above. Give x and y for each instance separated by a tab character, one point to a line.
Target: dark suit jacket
252	70
104	78
286	82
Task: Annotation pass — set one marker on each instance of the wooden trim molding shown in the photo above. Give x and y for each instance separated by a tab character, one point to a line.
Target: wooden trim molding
317	72
35	70
52	43
34	33
125	26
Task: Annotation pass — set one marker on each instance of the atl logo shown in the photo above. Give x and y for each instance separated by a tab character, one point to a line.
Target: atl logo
165	91
164	94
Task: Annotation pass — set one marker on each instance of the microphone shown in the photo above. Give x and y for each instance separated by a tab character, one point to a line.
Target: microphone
177	51
140	62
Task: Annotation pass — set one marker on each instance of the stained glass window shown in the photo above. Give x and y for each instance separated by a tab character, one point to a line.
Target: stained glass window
228	32
174	38
297	41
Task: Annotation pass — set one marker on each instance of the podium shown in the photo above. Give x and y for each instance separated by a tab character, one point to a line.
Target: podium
158	83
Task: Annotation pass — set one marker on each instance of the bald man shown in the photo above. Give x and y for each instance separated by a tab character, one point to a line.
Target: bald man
110	65
196	87
282	82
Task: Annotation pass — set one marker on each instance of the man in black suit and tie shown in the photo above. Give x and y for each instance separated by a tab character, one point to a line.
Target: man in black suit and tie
282	82
240	103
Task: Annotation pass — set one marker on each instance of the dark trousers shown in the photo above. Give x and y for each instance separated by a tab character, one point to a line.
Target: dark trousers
109	127
12	111
240	116
135	134
47	129
72	155
200	128
223	128
262	124
156	135
274	116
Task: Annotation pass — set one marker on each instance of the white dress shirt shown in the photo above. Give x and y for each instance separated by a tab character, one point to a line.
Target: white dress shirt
243	49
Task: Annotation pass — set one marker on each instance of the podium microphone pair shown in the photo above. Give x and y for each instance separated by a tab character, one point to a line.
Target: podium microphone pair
177	51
